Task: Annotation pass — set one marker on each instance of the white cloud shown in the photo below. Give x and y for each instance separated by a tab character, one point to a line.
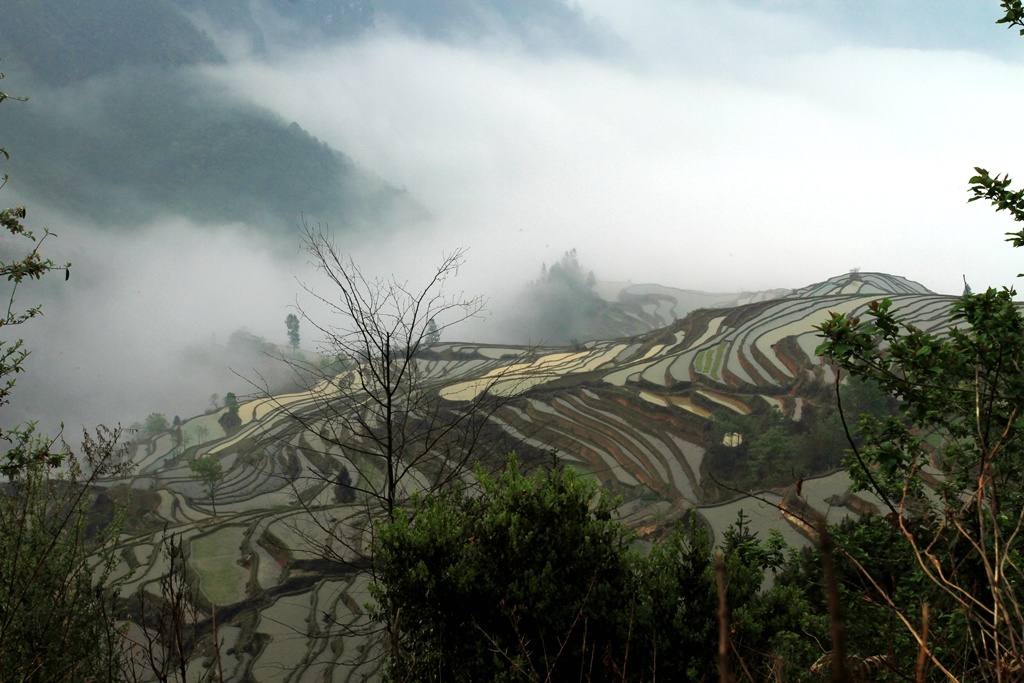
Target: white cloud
739	145
109	345
803	153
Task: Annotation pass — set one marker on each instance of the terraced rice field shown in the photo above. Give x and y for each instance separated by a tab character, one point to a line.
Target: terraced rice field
280	557
214	557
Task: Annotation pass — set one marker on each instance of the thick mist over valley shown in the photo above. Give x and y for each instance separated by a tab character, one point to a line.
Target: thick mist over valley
730	147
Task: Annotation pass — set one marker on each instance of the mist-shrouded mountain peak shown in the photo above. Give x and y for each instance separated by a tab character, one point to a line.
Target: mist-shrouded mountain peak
568	304
545	26
121	126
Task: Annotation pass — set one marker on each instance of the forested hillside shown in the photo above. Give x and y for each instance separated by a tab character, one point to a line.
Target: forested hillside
121	127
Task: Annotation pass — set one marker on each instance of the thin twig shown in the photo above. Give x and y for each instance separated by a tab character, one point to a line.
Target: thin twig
723	621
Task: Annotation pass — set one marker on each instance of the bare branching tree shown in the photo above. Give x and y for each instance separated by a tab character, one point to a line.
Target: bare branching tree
381	416
370	428
167	636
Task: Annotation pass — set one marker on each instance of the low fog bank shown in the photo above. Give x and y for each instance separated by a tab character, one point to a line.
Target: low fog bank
144	323
122	149
158	317
559	307
790	162
729	148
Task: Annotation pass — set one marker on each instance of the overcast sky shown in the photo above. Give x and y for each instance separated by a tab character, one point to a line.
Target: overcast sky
722	146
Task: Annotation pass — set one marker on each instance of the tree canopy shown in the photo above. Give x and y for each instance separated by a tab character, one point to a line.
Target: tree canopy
534	579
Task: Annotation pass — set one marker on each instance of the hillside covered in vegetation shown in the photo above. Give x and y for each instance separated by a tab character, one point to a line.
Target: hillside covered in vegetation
686	419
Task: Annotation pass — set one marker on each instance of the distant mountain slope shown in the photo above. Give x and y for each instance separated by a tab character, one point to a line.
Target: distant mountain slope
567	304
641	308
120	131
683	419
62	42
141	144
635	309
857	282
536	25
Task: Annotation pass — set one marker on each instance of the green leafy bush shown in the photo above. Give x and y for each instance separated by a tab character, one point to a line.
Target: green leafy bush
533	579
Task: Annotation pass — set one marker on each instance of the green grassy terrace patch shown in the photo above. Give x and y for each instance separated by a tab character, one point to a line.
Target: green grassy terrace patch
215	558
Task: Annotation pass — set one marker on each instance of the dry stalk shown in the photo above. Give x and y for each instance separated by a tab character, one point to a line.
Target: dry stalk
723	621
922	653
840	674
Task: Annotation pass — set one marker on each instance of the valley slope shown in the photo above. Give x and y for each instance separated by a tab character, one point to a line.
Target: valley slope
670	420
